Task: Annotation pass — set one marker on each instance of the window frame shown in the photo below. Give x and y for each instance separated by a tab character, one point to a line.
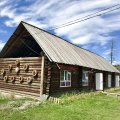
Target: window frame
65	81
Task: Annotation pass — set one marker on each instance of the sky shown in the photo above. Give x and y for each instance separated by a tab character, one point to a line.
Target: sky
94	34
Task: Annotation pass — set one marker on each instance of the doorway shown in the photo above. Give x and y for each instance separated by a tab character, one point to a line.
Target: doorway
92	82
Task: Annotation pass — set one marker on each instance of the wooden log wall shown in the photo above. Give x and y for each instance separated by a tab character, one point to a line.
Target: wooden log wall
91	79
105	80
80	77
113	79
34	64
55	79
49	74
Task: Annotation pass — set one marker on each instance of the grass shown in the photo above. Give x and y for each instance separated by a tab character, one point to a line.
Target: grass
113	90
80	106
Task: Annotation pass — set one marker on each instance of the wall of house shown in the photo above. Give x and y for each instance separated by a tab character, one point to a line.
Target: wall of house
34	64
76	79
113	79
47	76
105	79
55	80
92	82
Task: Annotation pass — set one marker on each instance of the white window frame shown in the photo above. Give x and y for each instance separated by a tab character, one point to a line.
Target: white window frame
83	80
65	81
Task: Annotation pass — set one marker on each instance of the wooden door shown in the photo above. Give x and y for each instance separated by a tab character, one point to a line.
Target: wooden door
91	81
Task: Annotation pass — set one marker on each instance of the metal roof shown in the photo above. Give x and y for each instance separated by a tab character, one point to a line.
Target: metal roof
61	51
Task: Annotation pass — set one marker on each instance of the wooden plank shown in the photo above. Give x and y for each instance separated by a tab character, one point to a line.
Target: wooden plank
23	58
48	79
42	75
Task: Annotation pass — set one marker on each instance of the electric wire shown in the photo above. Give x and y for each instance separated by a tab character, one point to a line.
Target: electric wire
102	12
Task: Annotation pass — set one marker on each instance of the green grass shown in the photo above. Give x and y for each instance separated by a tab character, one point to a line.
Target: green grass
85	106
113	90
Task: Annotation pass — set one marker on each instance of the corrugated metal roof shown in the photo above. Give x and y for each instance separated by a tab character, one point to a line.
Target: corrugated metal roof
60	51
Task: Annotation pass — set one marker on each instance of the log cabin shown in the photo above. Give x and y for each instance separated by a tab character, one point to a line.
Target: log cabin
36	62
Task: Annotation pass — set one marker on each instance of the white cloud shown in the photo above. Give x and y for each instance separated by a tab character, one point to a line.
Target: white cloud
3	2
49	13
116	62
107	52
83	39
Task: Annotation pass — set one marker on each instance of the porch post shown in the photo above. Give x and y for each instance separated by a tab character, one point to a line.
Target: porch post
99	81
42	75
80	78
113	79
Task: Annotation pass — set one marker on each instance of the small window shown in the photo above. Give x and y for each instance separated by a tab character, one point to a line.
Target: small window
85	78
65	78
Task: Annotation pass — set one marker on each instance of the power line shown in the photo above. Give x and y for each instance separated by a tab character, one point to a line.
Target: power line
101	12
88	15
85	19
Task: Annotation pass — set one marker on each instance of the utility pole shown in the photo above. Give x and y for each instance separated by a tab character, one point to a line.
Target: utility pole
111	53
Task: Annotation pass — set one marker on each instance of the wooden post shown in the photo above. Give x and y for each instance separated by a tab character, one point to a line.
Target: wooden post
42	75
80	78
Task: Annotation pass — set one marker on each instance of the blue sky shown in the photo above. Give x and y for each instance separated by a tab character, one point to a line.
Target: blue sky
94	34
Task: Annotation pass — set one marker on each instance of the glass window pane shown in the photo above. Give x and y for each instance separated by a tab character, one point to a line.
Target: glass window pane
65	75
62	75
83	76
86	76
69	76
68	83
62	83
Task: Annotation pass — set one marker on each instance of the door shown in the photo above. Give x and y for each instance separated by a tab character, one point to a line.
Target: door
91	81
99	81
117	81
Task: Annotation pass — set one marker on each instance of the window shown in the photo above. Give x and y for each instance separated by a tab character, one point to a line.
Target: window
65	78
85	78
